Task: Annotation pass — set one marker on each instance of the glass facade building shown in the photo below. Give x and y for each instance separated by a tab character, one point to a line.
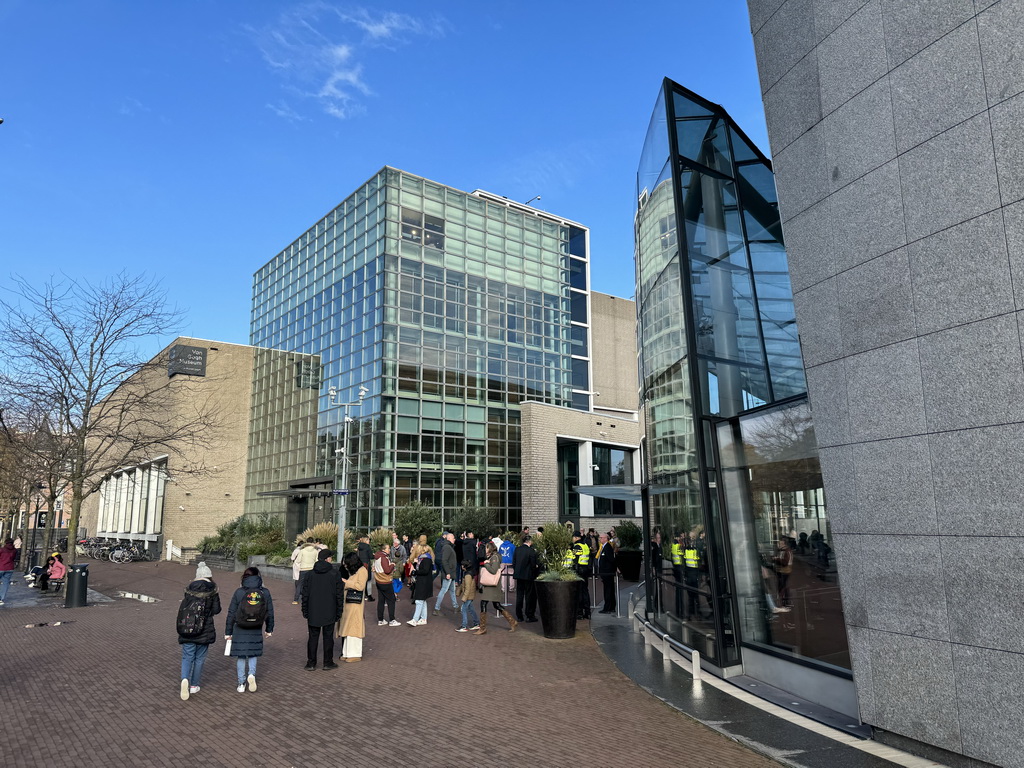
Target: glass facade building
742	566
450	308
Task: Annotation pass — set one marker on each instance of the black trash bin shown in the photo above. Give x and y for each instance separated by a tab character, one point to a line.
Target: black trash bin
77	586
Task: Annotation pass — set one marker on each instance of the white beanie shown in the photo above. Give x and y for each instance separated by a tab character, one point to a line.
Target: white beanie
203	571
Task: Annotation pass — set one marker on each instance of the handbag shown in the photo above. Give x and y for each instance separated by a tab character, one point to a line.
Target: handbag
353	596
489	579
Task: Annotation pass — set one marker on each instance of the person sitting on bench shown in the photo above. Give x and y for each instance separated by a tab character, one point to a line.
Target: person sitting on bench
54	569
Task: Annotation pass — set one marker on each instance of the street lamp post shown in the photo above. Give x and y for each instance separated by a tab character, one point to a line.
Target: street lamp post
342	451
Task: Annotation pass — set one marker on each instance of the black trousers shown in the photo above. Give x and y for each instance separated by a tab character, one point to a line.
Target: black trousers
608	579
584	593
314	641
526	600
386	596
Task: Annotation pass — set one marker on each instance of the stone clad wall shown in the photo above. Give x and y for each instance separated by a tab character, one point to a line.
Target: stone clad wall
895	128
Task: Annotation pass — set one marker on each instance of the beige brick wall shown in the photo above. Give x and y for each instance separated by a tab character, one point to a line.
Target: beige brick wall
613	334
197	502
542	425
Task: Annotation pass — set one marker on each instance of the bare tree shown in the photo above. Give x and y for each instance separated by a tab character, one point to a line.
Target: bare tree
74	375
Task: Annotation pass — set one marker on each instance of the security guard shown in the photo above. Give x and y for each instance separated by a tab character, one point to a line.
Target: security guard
581	562
677	571
691	560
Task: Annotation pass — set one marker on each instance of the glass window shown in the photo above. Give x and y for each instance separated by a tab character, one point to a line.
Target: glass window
787	584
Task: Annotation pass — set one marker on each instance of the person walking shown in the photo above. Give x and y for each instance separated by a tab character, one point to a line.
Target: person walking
524	570
490	583
322	603
423	585
449	570
8	557
251	609
296	573
17	549
383	576
467	594
353	626
196	628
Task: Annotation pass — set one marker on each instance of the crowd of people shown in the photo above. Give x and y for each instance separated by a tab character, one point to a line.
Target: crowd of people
331	596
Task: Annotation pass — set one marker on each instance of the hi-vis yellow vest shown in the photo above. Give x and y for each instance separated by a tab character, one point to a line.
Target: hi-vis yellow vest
692	557
677	554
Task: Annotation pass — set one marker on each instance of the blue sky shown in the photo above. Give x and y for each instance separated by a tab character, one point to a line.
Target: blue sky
192	140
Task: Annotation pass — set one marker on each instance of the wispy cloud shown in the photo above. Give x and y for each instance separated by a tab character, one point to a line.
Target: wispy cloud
318	50
131	107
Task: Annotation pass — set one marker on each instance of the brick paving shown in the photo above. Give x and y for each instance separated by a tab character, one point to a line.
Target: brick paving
102	688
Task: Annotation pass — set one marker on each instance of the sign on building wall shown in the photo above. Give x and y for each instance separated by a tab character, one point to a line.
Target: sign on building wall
187	360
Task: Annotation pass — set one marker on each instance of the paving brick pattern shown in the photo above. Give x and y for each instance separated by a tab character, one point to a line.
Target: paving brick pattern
102	688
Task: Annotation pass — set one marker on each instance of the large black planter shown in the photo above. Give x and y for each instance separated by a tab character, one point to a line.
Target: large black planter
629	562
558	601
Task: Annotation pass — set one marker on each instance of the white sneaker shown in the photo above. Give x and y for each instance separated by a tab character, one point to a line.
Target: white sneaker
184	689
241	688
193	689
395	623
422	622
382	623
462	629
251	679
412	623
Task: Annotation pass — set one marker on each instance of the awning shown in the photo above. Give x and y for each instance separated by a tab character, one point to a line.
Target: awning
624	492
300	493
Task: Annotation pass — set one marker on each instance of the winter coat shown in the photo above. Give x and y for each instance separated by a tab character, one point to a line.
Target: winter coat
307	557
248	642
423	589
352	623
387	565
57	569
495	594
524	563
207	591
365	552
467	589
7	556
322	595
606	560
449	565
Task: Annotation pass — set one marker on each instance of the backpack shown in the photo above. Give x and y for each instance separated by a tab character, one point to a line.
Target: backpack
252	610
191	615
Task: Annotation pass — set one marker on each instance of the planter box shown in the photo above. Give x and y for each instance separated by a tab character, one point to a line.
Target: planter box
558	602
628	562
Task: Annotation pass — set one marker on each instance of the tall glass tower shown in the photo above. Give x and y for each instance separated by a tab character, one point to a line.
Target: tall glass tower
733	469
450	308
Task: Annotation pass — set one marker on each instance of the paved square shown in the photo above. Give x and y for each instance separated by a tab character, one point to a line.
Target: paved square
102	688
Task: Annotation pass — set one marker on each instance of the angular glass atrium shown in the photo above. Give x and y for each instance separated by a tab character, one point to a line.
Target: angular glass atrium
742	567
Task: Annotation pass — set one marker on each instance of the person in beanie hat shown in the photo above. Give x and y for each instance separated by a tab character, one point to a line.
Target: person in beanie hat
196	630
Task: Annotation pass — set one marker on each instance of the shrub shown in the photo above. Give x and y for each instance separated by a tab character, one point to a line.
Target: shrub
629	535
552	547
248	535
380	537
416	519
480	520
327	532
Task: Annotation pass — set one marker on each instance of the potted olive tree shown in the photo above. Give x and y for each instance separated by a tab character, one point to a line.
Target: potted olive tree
558	585
629	556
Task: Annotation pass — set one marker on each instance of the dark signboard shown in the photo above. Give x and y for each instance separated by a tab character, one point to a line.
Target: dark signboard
187	360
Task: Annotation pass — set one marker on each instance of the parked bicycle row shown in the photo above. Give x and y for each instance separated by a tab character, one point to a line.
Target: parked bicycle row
114	550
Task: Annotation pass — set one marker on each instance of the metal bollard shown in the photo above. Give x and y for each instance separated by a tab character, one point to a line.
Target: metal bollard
695	664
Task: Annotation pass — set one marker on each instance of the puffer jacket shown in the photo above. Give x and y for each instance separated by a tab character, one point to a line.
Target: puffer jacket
248	642
206	590
7	556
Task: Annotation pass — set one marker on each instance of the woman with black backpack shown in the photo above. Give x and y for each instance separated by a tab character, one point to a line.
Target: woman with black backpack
251	608
196	631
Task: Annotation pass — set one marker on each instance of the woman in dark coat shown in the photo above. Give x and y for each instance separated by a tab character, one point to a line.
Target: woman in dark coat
423	589
194	647
247	644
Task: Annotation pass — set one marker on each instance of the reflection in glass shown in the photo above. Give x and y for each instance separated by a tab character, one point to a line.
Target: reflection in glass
787	584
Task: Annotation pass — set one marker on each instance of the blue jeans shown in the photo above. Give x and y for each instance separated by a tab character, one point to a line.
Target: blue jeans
421	610
240	667
469	617
447	585
193	656
5	583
